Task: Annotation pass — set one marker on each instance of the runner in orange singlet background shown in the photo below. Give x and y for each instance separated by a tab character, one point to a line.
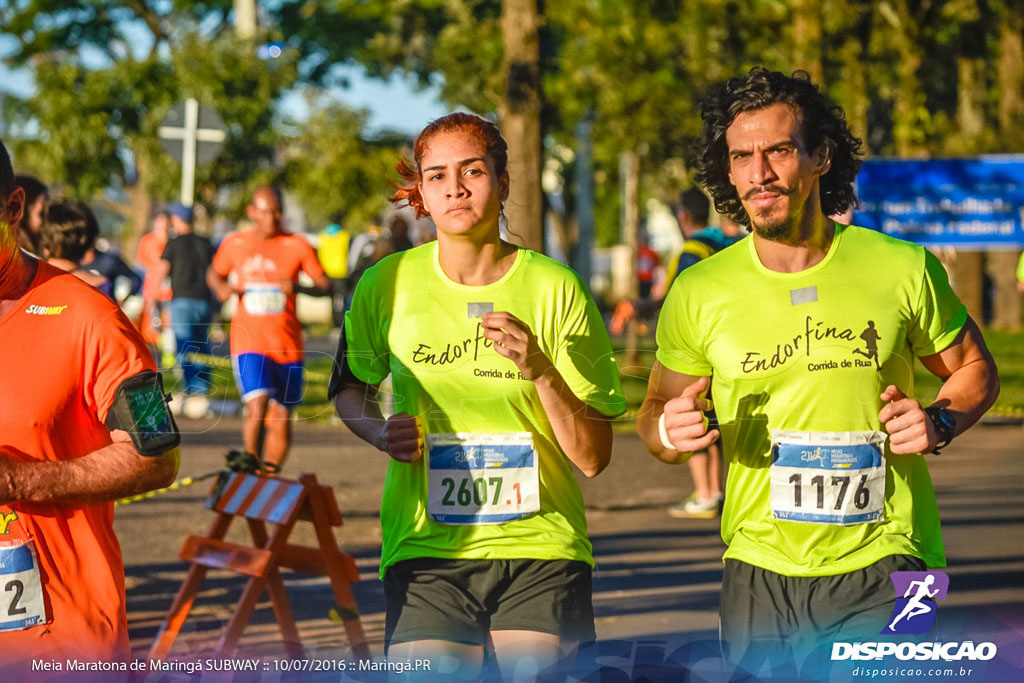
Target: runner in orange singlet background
266	336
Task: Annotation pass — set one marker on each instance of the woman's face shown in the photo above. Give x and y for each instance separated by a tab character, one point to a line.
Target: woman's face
459	185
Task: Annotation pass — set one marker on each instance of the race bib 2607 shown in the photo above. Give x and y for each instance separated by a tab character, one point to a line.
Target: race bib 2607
481	478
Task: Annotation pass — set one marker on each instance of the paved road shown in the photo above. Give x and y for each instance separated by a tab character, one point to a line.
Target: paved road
657	578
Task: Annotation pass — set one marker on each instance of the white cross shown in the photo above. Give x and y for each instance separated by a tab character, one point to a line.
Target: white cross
190	135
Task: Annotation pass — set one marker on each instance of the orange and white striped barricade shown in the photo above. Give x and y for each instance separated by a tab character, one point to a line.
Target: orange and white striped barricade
282	502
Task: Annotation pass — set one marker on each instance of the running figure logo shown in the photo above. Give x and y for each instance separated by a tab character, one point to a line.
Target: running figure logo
870	337
816	456
915	611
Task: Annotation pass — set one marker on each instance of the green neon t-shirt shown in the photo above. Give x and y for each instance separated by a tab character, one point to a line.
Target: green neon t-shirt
409	319
812	351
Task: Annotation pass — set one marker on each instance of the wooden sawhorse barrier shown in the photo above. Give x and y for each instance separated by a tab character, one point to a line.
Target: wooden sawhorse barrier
283	502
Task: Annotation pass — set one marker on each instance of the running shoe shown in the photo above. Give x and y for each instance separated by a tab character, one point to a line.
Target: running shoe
701	508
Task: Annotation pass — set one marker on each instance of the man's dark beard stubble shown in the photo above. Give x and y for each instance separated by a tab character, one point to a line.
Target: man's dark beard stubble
778	231
775	232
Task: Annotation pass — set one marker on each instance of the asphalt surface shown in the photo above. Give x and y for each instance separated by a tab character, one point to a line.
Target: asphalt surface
657	578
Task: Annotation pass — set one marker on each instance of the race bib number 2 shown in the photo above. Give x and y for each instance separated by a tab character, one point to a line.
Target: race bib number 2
828	477
481	478
21	591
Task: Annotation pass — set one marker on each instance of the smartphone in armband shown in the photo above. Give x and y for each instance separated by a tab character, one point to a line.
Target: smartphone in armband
140	408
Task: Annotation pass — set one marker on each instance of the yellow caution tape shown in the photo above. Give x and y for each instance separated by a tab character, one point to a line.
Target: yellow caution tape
237	461
173	486
207	359
225	363
341	614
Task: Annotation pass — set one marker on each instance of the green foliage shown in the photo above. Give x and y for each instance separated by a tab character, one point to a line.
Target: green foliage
453	43
86	120
100	96
326	33
638	69
908	72
228	75
332	168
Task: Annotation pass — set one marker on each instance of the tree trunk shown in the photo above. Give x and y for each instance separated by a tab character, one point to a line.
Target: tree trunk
1006	306
245	18
854	98
141	207
584	252
906	115
1011	72
629	171
807	38
965	276
519	119
970	114
909	100
1006	309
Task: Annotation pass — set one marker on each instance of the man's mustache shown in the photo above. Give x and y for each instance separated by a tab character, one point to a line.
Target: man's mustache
778	189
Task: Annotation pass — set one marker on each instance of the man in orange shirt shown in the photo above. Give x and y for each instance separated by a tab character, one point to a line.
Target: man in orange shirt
156	290
73	372
266	336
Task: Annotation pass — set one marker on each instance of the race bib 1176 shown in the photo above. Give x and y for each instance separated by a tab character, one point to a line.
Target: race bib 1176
481	478
828	477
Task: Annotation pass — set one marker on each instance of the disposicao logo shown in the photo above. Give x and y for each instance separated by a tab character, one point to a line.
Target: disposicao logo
916	596
914	613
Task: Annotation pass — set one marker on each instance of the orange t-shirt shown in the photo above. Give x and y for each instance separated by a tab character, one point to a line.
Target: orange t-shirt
66	349
148	255
265	321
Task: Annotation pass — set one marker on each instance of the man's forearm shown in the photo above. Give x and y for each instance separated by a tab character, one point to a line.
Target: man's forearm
647	427
106	474
969	392
970	378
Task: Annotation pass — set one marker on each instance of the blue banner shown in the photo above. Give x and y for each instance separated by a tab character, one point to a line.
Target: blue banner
478	457
971	203
855	456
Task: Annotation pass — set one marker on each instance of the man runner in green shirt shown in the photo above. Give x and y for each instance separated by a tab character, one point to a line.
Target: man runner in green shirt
810	330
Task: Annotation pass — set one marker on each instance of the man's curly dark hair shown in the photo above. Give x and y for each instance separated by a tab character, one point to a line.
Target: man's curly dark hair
822	123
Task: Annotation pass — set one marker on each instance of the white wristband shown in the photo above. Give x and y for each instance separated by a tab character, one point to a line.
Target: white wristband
663	433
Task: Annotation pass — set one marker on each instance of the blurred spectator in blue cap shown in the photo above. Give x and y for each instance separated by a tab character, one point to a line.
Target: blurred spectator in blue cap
183	212
185	259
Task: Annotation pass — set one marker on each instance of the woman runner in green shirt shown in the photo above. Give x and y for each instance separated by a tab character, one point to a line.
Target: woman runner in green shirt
504	378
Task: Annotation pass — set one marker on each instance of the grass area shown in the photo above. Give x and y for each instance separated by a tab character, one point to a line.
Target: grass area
1007	349
315	405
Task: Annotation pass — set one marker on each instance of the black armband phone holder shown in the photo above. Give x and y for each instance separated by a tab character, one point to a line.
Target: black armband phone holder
140	408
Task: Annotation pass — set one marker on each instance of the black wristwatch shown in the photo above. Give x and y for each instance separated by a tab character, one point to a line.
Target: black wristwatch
945	425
